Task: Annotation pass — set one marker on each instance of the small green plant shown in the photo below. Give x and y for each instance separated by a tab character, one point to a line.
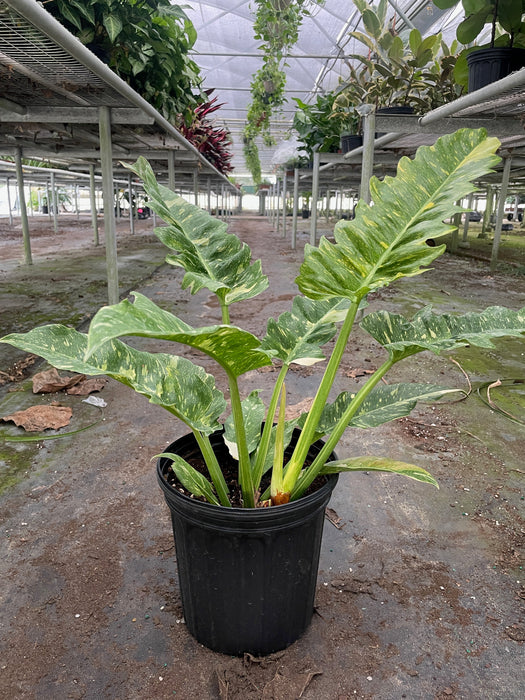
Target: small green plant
398	70
277	24
503	17
383	243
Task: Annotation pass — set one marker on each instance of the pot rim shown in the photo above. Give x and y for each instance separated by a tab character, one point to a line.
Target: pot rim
185	503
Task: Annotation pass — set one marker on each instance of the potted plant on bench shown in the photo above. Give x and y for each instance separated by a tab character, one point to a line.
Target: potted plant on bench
247	494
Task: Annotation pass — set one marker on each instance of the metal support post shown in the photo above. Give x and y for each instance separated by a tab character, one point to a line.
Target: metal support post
131	212
501	211
106	159
22	203
295	207
367	168
196	188
93	203
464	241
77	210
209	195
9	205
315	196
285	187
54	202
171	170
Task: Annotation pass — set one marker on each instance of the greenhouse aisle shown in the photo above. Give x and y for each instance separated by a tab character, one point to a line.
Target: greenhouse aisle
420	593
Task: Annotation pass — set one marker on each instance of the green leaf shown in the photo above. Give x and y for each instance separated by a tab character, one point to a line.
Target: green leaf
190	478
385	403
468	30
253	411
112	25
211	257
414	40
86	10
297	335
68	14
176	384
445	4
387	241
379	464
372	24
439	332
234	349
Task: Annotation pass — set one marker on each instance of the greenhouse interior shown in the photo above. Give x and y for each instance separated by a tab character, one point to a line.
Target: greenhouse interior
323	530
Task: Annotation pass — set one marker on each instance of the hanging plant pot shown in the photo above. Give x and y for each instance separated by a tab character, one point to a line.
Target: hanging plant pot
269	86
491	64
350	141
247	575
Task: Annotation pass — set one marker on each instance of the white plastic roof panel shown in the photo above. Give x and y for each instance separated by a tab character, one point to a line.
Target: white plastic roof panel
228	55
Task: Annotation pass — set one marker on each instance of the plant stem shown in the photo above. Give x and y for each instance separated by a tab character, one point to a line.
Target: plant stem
305	439
262	450
313	470
245	468
278	494
213	468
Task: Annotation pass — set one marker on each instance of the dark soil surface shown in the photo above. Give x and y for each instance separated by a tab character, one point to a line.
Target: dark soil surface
421	591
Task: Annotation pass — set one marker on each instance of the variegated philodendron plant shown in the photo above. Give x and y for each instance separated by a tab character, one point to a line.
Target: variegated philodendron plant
384	242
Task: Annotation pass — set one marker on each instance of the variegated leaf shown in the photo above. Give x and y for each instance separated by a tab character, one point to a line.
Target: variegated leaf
385	403
212	258
439	332
174	383
387	240
379	464
297	335
234	349
190	478
253	411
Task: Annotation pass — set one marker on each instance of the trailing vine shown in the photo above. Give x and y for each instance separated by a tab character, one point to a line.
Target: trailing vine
277	24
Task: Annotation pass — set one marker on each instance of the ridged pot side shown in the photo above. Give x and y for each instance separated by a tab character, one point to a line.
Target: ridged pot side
247	575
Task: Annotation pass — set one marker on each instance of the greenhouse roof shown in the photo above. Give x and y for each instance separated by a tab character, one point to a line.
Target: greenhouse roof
51	89
228	55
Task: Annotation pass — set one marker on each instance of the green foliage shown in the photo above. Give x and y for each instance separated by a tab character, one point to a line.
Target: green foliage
507	27
384	242
320	125
393	70
277	24
146	43
505	18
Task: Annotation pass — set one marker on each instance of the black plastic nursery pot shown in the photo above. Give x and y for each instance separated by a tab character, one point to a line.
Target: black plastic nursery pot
247	575
350	141
489	65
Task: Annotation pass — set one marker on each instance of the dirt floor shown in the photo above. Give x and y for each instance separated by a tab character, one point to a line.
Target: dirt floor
421	591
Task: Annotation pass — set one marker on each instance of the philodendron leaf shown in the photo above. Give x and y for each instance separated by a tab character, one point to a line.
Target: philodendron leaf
234	349
379	464
174	383
253	411
190	478
297	335
387	240
385	403
438	332
212	258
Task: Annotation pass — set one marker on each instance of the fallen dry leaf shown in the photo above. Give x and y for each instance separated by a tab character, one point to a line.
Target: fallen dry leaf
38	418
296	409
87	386
50	381
358	372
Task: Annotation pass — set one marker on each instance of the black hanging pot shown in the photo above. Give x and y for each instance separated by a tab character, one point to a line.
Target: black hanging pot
488	65
247	575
